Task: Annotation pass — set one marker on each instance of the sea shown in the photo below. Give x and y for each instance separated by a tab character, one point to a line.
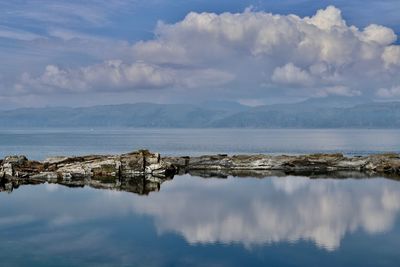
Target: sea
197	221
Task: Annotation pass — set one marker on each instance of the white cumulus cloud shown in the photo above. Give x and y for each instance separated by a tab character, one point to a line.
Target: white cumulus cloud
116	75
290	74
241	52
379	34
391	56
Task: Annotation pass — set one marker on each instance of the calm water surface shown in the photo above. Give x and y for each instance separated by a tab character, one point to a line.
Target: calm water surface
193	221
39	144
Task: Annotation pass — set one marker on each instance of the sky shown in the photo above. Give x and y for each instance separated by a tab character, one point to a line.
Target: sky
94	52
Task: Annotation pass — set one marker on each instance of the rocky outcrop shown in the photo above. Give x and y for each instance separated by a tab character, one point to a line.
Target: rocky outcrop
242	165
140	171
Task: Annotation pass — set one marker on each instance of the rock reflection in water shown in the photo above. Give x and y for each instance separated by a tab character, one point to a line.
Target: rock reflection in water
249	212
141	185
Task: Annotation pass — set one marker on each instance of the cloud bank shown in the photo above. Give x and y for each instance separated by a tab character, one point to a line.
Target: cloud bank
250	53
115	75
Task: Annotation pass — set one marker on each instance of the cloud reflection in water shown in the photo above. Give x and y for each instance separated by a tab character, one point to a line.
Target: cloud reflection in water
245	211
255	212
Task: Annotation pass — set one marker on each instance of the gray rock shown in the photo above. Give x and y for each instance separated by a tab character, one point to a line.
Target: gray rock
15	159
97	167
381	164
142	171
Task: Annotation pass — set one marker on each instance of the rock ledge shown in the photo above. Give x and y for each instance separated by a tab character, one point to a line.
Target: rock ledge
379	164
142	171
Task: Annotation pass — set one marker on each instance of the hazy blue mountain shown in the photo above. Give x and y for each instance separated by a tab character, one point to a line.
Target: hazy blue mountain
303	115
333	102
127	115
229	106
335	112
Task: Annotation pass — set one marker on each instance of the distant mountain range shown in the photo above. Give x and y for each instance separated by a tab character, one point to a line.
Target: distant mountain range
334	112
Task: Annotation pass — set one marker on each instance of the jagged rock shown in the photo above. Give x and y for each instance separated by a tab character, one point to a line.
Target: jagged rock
142	171
17	160
106	168
314	163
7	169
19	166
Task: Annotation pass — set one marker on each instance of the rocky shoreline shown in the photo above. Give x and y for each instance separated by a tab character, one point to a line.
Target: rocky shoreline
319	164
139	171
143	171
